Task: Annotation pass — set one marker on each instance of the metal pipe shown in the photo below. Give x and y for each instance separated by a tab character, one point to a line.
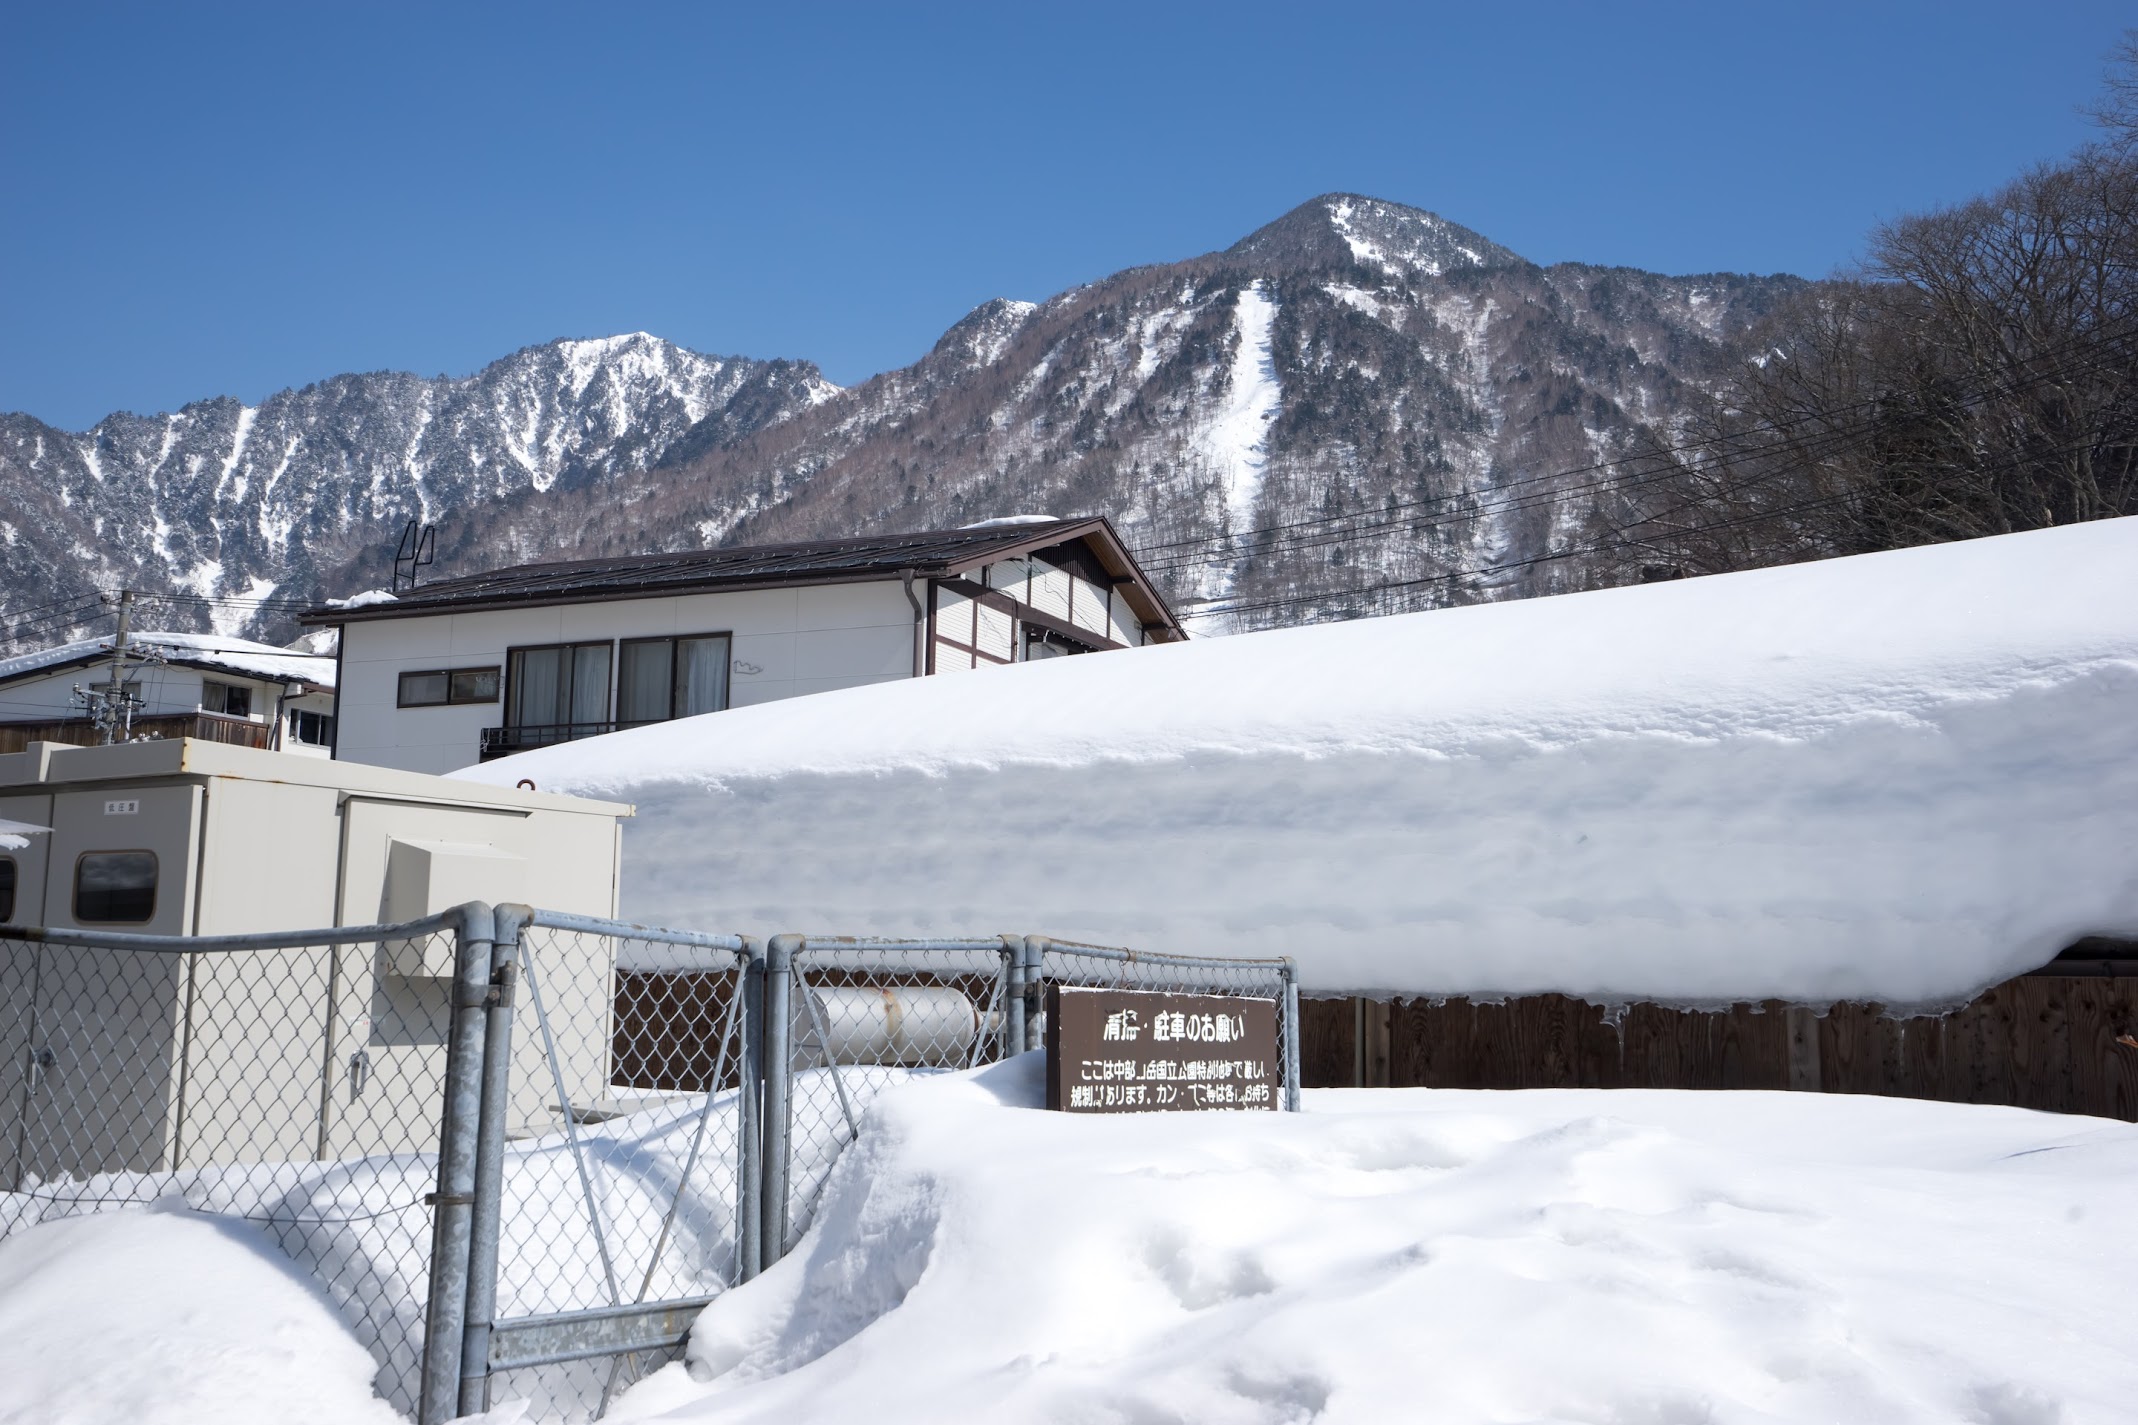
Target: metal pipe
256	940
779	1070
920	624
490	1162
445	1317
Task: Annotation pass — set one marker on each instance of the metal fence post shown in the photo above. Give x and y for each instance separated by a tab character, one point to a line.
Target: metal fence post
750	1085
1034	977
453	1203
488	1211
1289	973
779	1070
1013	995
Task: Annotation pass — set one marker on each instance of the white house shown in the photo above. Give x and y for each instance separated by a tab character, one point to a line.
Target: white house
467	669
199	685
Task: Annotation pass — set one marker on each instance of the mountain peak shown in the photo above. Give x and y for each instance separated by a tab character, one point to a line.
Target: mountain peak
983	334
1348	227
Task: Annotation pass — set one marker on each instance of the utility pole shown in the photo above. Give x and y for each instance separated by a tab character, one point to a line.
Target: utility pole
112	707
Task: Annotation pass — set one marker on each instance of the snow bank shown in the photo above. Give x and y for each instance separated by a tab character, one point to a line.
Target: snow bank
360	1229
1638	1256
167	1318
1900	777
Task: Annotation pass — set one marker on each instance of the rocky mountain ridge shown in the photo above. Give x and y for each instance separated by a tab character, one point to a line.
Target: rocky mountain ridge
223	503
1357	408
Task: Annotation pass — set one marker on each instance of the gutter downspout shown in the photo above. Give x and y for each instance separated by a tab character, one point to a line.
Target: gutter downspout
920	624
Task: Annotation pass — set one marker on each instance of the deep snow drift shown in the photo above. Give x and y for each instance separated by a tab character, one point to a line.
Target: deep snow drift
1899	777
1608	1257
163	1317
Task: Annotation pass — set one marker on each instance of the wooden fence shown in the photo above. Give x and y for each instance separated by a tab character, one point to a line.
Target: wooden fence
2066	1043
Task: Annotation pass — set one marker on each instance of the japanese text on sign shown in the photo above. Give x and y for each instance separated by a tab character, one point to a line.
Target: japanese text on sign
1139	1051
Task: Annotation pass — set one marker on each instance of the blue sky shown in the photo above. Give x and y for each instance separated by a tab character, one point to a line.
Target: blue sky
221	199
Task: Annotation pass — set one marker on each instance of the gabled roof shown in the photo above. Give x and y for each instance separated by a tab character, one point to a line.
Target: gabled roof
211	652
928	554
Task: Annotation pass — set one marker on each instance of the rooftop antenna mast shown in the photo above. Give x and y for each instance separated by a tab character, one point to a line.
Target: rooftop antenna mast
417	543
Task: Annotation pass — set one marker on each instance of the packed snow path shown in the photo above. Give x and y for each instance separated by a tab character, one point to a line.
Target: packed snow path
1901	777
1640	1256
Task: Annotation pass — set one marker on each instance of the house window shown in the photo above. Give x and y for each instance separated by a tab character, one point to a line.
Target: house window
7	888
557	686
314	729
229	699
663	678
115	887
436	687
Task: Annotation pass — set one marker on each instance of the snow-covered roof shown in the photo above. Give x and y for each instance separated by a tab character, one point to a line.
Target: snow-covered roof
207	650
1900	777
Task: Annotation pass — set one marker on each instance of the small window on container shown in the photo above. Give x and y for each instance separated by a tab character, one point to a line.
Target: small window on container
115	887
7	889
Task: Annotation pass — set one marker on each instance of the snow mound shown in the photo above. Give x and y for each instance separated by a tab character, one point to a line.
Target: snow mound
1900	777
1638	1256
167	1318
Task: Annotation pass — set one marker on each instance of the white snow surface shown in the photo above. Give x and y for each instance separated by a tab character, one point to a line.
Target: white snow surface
239	655
1900	777
157	1317
1236	440
1636	1257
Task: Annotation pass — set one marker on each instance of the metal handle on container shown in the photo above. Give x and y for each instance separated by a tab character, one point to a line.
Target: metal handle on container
359	1072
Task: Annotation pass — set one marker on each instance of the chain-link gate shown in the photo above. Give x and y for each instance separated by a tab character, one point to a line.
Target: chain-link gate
518	1149
617	1172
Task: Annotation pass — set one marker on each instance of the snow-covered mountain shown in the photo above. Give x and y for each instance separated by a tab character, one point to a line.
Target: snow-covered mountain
1359	407
225	500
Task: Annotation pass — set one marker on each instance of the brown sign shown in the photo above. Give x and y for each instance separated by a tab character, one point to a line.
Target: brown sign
1136	1051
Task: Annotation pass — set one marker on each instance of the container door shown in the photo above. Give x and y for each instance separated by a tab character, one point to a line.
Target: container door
107	1024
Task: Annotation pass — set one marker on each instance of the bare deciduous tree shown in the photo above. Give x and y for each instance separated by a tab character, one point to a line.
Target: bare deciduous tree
1978	376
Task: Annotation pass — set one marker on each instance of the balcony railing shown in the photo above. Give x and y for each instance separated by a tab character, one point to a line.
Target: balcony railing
504	741
206	726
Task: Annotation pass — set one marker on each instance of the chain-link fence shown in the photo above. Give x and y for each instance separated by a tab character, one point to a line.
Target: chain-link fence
293	1081
846	1018
518	1149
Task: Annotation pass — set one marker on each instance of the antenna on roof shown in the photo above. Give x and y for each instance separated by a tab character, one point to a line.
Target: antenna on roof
414	553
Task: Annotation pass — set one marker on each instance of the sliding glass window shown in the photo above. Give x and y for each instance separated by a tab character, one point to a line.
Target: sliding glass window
663	678
561	685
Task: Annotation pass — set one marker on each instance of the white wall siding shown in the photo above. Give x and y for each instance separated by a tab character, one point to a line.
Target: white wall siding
787	642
